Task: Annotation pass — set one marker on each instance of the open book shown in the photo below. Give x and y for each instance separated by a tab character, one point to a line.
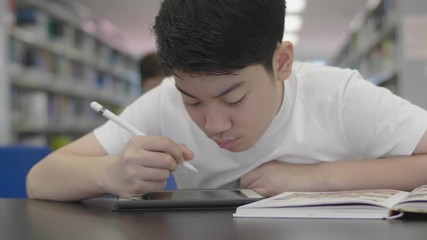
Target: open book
361	204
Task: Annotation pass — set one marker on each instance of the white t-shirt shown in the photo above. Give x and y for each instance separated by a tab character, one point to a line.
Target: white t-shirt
328	114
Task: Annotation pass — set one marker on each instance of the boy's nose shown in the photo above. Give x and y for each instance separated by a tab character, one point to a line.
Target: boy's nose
216	123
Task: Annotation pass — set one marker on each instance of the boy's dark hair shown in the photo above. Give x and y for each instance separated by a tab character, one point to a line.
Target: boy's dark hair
218	36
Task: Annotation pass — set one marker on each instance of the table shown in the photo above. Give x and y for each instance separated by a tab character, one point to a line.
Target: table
93	219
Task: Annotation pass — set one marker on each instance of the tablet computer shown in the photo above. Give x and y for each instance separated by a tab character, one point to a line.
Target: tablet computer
189	199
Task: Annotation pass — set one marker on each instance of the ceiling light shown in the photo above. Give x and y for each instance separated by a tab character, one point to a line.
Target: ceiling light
295	6
293	23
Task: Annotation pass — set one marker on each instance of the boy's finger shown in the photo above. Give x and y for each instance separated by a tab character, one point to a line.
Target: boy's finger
186	152
161	144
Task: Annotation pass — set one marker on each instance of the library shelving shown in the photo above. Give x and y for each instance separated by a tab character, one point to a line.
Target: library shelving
378	43
53	70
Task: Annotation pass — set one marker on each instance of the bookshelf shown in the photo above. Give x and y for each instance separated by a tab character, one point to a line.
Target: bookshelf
54	69
377	45
4	80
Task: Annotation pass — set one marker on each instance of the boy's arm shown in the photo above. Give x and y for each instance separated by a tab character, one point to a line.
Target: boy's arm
83	169
402	173
70	173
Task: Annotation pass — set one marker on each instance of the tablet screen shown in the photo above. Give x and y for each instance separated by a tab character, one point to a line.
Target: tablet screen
194	195
190	198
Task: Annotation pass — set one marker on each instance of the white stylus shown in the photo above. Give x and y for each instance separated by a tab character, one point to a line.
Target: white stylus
113	117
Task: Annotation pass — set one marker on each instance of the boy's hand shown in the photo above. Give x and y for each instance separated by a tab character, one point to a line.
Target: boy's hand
275	177
144	165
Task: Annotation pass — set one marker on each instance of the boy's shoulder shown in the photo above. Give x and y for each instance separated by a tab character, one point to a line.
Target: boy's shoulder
310	76
310	70
165	89
325	83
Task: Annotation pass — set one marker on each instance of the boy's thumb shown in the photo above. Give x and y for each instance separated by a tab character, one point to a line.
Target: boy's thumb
186	152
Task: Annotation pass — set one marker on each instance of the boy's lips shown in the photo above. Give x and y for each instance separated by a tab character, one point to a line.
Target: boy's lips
225	143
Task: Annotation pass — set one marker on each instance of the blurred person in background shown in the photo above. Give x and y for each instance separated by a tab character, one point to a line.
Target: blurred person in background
149	70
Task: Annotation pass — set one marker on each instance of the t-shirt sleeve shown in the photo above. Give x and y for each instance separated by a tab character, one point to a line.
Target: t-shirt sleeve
379	123
143	114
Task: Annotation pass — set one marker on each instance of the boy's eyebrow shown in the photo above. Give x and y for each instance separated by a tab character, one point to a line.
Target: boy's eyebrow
183	92
227	90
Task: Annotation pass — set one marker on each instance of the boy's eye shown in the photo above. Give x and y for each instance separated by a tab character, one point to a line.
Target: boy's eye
236	102
192	103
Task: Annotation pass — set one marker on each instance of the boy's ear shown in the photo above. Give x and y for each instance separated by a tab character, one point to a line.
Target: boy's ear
283	58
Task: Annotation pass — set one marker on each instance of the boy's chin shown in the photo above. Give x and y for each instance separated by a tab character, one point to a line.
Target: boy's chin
240	148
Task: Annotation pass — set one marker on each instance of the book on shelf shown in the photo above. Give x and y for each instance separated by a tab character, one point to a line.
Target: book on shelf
31	109
31	20
355	204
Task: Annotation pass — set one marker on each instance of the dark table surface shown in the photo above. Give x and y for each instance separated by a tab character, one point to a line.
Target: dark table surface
32	219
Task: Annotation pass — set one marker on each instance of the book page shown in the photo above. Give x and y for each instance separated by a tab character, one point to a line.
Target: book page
416	201
418	194
379	197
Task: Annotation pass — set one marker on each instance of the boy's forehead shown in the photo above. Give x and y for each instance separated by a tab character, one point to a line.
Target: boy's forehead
246	74
207	85
181	75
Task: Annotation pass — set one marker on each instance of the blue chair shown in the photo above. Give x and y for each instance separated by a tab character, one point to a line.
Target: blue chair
171	184
15	163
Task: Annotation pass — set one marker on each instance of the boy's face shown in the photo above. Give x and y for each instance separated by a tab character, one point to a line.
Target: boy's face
233	110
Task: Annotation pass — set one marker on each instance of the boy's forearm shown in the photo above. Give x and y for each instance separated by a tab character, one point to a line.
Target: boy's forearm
64	176
402	173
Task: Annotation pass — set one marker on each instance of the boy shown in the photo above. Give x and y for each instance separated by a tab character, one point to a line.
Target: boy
248	115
